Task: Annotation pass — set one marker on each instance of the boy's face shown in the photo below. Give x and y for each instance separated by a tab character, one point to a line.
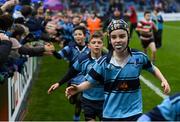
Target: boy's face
147	16
76	20
117	13
79	37
96	45
119	40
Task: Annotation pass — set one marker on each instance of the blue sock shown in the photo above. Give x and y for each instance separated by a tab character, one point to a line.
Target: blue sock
76	118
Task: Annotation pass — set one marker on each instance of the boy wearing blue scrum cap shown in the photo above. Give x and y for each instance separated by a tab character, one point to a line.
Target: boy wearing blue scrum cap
119	71
74	49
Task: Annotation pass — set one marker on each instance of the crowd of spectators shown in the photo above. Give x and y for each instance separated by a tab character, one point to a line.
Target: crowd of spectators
106	6
18	27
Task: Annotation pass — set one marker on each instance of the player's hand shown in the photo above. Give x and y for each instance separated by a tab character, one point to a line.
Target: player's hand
53	87
8	4
71	90
166	87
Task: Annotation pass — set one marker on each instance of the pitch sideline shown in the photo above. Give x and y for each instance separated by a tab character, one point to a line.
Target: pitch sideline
152	87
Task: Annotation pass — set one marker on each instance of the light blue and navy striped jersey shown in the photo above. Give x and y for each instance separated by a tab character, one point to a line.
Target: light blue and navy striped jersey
66	30
158	21
84	64
168	110
71	52
123	97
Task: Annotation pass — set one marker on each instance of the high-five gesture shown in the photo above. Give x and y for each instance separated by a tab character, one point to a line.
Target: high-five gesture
49	48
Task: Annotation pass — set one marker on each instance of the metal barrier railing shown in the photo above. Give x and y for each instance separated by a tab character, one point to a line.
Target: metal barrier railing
18	88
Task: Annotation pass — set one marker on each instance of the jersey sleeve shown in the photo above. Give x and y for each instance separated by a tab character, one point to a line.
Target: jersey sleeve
147	65
77	66
69	75
65	52
95	74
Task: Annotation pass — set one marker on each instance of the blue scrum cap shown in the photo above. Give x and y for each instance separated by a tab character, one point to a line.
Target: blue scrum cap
118	24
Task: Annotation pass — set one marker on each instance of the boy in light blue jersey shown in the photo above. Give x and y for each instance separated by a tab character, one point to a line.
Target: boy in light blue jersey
119	71
92	99
71	53
158	21
74	49
168	110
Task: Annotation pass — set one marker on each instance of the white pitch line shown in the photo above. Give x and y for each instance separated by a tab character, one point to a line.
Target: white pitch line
153	87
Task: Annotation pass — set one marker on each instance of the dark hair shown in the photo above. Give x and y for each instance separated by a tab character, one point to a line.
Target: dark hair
97	34
146	12
156	9
17	30
26	10
83	29
6	21
25	2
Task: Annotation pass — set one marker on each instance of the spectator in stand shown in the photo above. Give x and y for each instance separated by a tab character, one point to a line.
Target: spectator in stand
8	5
19	34
115	4
145	28
93	23
133	20
142	4
6	22
84	24
117	14
76	20
5	48
65	29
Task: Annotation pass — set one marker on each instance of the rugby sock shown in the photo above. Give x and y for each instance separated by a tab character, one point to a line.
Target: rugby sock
76	118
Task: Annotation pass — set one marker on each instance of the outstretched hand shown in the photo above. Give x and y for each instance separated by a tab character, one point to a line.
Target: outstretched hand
71	90
4	37
166	87
49	49
53	87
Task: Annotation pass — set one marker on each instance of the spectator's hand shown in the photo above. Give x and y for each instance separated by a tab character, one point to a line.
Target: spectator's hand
8	4
47	53
71	90
49	47
53	87
166	87
4	37
51	28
